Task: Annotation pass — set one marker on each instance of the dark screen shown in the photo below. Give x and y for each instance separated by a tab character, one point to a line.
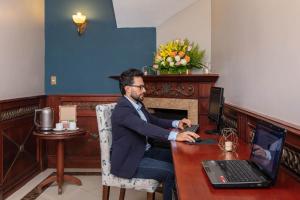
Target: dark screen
267	147
215	103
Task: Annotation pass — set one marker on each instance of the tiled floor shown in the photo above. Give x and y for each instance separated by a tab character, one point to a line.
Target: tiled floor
91	189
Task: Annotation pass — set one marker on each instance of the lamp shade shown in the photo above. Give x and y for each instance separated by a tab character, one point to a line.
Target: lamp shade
79	18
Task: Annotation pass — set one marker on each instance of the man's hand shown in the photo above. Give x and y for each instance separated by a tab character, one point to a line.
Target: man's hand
259	151
186	136
184	122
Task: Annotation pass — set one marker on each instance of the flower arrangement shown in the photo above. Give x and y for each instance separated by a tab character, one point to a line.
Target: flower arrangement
178	56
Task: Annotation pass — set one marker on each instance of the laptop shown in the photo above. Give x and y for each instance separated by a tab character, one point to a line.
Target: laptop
259	171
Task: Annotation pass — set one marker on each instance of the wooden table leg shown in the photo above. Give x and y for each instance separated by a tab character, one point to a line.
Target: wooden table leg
60	177
39	153
60	165
72	179
47	181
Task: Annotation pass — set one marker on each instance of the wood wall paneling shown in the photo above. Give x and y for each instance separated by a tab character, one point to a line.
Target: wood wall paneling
242	126
82	152
18	146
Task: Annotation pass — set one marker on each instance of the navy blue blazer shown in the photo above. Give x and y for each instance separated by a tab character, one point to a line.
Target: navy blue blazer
129	133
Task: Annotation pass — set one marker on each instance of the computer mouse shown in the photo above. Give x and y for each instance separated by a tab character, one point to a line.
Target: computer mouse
197	140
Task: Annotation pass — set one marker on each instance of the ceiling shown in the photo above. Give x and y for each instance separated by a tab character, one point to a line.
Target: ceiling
147	13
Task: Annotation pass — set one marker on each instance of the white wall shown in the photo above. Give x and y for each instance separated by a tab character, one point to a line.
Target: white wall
192	23
22	48
256	51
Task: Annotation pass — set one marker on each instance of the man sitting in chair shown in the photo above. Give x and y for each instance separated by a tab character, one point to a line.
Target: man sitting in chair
131	155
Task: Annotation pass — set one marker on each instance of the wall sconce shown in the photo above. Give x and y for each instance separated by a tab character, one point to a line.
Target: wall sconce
80	22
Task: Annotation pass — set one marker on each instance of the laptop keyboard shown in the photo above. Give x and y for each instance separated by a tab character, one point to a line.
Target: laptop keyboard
238	171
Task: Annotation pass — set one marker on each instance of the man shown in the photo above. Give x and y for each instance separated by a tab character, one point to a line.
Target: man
132	156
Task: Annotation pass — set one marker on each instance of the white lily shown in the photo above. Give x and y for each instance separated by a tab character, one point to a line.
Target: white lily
183	62
169	59
177	58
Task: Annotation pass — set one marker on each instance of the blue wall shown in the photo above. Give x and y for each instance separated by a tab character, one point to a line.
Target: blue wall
83	64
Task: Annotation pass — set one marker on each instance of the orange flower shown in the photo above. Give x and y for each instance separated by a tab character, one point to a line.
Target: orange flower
187	58
181	54
173	53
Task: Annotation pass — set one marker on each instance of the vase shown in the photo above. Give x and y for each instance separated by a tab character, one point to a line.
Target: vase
199	71
188	71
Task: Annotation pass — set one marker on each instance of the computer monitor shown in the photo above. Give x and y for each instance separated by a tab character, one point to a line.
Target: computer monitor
215	109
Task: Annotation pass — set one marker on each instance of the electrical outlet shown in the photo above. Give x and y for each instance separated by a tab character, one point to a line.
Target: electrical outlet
53	80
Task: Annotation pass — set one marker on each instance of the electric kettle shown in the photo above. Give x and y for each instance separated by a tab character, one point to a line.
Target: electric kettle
46	118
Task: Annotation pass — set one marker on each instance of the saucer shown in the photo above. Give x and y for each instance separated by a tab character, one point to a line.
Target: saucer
72	129
55	129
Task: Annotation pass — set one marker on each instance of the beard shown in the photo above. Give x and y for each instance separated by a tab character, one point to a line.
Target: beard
138	98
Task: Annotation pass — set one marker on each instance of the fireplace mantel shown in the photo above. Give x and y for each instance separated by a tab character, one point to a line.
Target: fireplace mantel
165	88
176	78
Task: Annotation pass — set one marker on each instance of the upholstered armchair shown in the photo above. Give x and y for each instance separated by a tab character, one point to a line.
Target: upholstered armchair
104	113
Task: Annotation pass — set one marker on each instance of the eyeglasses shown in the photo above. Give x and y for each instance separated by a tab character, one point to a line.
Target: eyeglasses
139	86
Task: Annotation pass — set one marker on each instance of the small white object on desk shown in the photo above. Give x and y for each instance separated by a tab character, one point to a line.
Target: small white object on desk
230	136
228	146
59	126
72	129
58	130
72	126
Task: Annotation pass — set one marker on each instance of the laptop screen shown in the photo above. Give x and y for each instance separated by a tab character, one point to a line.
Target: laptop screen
267	147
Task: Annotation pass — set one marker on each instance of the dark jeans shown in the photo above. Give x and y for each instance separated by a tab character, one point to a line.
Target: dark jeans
157	164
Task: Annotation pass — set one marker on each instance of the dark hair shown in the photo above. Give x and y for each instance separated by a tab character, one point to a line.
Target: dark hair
126	78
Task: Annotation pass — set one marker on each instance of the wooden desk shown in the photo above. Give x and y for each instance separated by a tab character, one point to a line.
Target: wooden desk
60	137
193	184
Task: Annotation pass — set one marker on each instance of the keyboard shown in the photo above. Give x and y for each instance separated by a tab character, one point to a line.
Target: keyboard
238	171
193	128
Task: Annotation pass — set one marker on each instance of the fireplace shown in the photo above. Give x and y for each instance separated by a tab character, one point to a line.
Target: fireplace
180	92
180	107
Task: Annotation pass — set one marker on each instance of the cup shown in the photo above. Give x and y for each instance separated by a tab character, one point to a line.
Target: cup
72	125
228	146
145	70
207	68
59	126
65	124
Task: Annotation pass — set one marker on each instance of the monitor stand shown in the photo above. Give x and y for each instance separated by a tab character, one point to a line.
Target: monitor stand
213	132
216	131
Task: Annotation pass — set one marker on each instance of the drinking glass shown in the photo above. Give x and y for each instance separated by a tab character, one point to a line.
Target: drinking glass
145	70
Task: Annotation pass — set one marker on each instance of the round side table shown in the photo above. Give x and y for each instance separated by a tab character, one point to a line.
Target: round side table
60	137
